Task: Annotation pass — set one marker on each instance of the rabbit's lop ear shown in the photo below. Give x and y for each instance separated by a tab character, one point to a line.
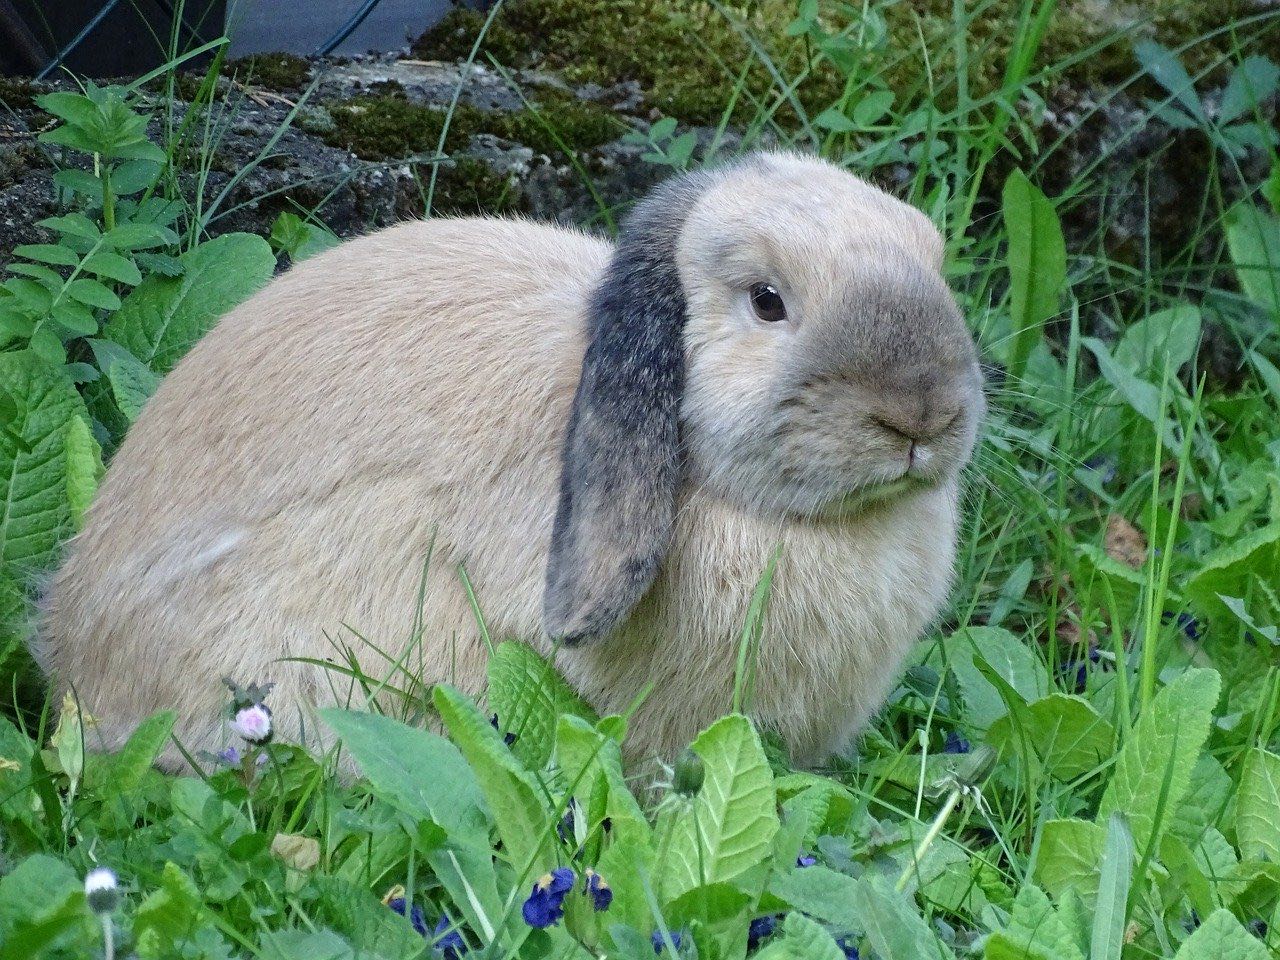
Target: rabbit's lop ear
621	463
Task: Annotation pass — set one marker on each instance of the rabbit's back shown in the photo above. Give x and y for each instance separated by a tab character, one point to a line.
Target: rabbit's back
400	396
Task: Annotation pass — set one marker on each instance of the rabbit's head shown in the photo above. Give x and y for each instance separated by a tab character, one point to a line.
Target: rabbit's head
777	331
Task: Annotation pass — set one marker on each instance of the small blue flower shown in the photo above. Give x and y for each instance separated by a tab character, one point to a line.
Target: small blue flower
804	860
601	895
761	928
545	905
450	943
415	914
850	951
956	744
1188	624
659	944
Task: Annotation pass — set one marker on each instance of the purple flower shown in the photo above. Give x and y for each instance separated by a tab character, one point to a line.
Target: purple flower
415	914
956	744
804	860
761	928
448	942
253	723
659	944
545	905
601	895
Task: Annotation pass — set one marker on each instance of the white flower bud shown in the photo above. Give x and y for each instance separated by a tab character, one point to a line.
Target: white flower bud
102	890
253	723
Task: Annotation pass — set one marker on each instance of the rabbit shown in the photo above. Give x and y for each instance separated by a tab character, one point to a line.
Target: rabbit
611	440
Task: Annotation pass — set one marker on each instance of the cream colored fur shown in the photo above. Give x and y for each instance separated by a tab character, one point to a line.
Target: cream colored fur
408	392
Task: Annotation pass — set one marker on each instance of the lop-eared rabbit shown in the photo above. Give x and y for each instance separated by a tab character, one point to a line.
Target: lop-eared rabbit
611	439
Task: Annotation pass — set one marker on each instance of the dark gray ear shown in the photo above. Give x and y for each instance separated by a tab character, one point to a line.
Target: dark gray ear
621	463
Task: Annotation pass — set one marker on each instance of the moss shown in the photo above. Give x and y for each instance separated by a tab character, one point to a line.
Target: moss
275	71
556	118
390	127
682	53
18	94
1076	27
466	185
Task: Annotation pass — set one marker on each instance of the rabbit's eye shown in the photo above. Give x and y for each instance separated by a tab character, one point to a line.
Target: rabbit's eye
767	303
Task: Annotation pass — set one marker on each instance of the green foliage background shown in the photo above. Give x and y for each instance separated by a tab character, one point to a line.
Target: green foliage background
1082	761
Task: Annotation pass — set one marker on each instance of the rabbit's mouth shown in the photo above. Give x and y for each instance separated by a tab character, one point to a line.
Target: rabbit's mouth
857	501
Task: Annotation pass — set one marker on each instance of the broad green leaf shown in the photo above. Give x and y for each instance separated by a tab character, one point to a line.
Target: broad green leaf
834	120
1203	865
140	751
511	793
355	913
34	507
1067	734
72	224
104	263
585	756
84	468
1037	261
1034	932
527	694
1251	83
418	772
1206	798
44	927
132	384
819	892
626	866
1164	744
15	775
1142	396
33	893
1258	806
1221	937
169	916
1068	858
306	945
1253	238
1167	70
298	238
1008	656
71	107
730	826
47	253
164	316
1115	874
894	925
1231	570
1167	337
801	939
424	776
93	294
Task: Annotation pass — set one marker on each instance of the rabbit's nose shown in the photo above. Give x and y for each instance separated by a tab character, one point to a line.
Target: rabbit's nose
918	417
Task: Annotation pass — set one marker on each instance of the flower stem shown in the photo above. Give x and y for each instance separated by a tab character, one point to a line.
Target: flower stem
935	828
108	938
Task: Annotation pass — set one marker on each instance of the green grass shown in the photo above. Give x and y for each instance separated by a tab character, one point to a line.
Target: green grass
1109	658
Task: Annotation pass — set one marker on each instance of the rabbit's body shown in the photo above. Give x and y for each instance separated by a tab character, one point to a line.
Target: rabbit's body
406	395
